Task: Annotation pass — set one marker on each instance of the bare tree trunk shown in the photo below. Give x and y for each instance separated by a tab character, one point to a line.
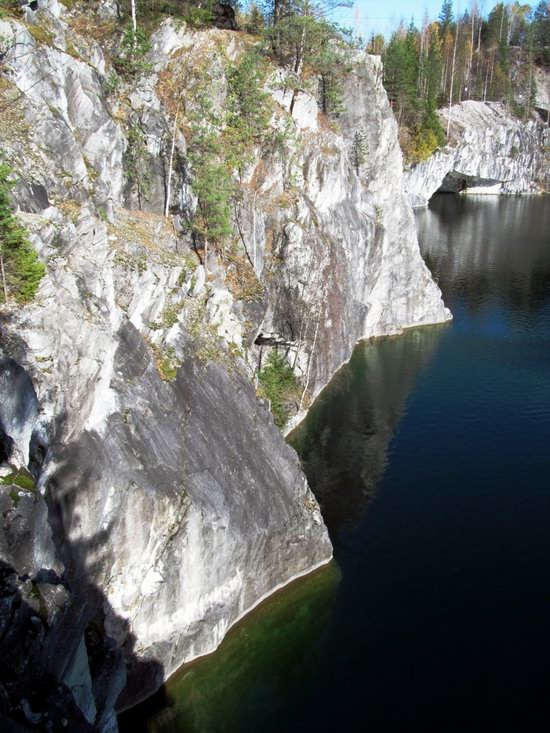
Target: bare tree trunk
134	24
171	164
529	90
4	288
474	11
243	240
205	263
254	232
293	101
501	24
300	53
471	61
421	57
479	36
452	81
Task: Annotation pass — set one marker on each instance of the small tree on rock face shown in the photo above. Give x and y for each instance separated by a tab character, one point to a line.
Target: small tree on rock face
255	21
359	149
307	43
20	268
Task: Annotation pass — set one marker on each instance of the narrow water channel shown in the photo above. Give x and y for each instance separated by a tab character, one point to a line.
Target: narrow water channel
430	455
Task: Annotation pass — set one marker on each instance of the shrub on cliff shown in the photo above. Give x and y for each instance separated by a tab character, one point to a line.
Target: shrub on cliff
280	386
20	268
130	62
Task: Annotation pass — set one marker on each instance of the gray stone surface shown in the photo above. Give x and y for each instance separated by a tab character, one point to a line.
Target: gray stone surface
347	263
491	153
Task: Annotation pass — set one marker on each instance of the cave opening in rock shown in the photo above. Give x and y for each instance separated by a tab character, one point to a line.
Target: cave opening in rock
452	183
457	182
6	445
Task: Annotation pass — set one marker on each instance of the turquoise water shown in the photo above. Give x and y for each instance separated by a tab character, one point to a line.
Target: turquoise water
430	456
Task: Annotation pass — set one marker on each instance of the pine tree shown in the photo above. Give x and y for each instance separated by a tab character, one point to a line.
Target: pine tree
446	15
255	21
401	74
20	269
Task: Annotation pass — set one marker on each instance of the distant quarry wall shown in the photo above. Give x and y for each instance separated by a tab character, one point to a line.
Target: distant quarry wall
490	152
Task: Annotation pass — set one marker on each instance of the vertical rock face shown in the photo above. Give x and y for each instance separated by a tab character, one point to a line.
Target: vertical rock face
491	153
348	264
542	94
162	500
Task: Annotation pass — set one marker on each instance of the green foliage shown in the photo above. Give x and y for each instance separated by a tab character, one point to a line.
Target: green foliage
212	182
224	143
22	479
401	74
23	270
332	63
168	365
248	109
360	149
419	145
41	34
195	14
468	57
280	386
130	62
446	14
541	32
9	8
254	23
198	17
432	124
111	83
213	186
303	40
166	361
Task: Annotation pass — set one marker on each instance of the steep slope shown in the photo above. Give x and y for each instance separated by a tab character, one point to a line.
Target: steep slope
166	501
349	260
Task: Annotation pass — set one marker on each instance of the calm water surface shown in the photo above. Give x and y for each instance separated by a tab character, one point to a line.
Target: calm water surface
430	455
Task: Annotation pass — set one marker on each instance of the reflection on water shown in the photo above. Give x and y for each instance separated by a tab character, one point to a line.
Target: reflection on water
343	444
479	246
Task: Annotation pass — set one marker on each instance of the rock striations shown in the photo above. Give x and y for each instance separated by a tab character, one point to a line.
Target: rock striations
490	152
148	500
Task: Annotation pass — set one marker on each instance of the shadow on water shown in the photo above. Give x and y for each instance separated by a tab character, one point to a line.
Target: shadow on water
263	666
343	443
55	617
258	657
440	619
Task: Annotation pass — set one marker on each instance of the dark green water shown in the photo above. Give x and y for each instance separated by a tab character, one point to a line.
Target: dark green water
430	455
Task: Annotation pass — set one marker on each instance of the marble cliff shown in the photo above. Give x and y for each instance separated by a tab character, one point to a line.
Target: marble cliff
489	152
148	500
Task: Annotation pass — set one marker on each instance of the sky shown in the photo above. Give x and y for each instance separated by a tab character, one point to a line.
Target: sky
382	16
